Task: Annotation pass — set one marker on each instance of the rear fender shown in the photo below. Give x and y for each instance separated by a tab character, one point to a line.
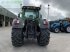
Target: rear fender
66	25
17	23
44	24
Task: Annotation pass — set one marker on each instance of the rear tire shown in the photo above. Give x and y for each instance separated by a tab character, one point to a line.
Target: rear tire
68	29
17	38
43	38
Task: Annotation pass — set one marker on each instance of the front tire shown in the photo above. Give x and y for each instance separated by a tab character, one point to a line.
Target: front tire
56	30
17	38
43	38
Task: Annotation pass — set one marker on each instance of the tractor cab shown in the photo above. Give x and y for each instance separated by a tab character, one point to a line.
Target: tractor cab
63	22
64	25
30	12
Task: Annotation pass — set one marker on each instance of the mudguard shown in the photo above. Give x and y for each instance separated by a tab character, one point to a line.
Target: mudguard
42	25
17	23
65	24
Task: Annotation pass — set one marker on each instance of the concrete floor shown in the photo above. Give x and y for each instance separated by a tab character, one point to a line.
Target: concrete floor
59	42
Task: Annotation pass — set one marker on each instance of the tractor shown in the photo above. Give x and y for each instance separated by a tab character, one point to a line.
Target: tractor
30	25
61	25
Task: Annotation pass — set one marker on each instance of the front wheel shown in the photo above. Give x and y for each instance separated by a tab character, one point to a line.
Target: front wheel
43	38
56	30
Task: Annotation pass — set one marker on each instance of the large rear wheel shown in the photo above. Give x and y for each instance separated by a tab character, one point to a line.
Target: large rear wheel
17	38
43	38
68	29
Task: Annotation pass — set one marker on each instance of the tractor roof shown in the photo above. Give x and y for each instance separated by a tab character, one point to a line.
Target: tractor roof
31	7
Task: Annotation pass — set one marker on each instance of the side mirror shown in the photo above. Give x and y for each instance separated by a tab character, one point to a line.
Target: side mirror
19	15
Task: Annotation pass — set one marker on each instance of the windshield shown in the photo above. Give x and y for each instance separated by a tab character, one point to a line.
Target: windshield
31	14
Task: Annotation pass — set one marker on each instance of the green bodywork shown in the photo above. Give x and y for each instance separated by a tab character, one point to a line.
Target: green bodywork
30	12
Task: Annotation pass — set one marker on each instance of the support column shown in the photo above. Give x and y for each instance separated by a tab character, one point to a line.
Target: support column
9	22
4	22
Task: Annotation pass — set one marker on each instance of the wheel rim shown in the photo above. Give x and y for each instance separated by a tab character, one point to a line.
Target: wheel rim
68	29
56	30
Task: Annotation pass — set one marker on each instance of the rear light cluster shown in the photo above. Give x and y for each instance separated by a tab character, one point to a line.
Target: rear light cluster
16	21
45	22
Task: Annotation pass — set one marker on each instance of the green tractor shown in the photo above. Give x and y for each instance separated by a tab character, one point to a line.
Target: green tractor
30	25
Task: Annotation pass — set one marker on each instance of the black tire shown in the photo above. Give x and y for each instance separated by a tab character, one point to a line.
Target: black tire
67	29
17	38
43	38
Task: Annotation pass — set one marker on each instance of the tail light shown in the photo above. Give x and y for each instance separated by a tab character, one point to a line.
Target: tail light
45	22
16	21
